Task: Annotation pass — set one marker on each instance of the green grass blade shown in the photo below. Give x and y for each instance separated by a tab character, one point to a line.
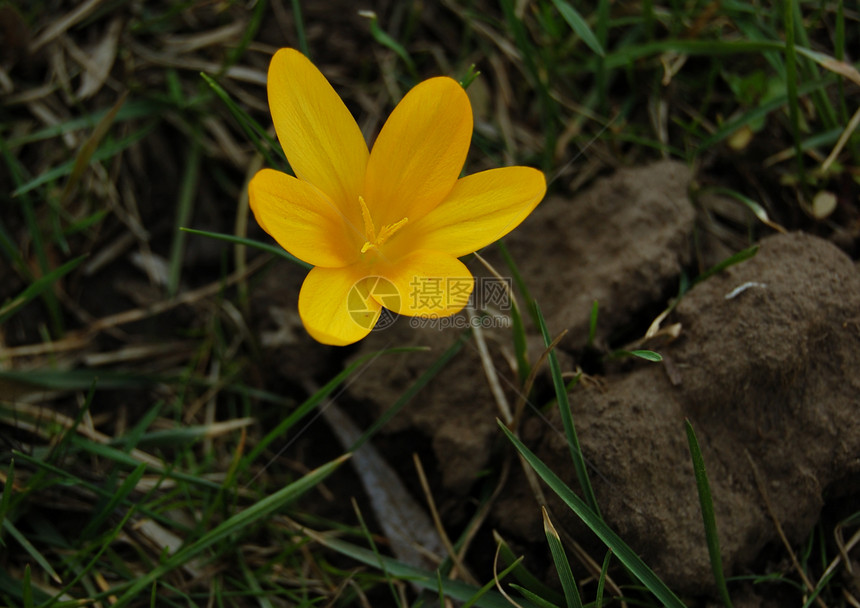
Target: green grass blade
37	287
27	588
752	205
185	208
521	345
601	582
236	524
592	325
708	516
625	554
456	590
379	561
6	496
562	565
791	81
300	28
626	55
239	240
107	509
28	210
105	152
648	355
413	389
528	580
69	479
579	26
533	597
258	136
312	401
131	110
86	151
31	550
549	110
383	38
473	601
517	277
576	455
740	256
755	114
108	452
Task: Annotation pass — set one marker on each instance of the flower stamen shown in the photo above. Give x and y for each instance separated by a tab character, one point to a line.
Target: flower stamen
375	241
369	231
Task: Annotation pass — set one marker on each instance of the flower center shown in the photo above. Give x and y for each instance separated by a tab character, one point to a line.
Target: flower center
374	240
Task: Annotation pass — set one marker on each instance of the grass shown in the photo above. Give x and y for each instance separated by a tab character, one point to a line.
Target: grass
152	453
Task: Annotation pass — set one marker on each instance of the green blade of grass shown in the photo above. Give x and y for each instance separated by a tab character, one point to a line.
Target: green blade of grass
740	256
383	38
413	389
475	599
757	113
121	457
625	554
239	240
648	355
37	287
601	581
380	563
86	151
708	516
456	590
592	325
28	210
562	565
6	496
105	152
300	28
533	597
520	343
31	550
576	455
752	205
549	110
185	208
523	576
310	403
579	26
791	83
76	379
259	137
136	108
235	525
626	55
108	506
69	479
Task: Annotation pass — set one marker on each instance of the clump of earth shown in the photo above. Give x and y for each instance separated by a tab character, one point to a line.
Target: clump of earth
761	359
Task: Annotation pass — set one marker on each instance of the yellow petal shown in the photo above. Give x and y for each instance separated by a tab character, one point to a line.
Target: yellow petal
320	137
428	284
302	219
419	153
480	209
336	305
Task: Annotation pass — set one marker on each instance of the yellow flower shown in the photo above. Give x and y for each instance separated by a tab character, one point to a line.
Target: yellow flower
381	228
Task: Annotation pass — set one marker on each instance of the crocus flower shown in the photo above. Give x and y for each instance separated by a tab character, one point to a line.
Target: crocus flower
382	228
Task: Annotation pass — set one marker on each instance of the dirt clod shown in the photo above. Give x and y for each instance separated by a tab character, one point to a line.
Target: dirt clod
767	363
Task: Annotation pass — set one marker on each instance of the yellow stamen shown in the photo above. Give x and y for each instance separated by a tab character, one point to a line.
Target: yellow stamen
389	230
369	231
386	232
